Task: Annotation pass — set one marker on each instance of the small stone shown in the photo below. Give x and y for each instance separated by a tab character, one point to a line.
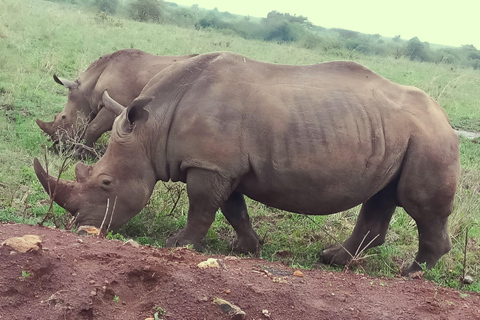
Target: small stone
416	275
233	311
266	313
92	281
80	240
227	291
88	231
210	263
133	243
93	293
467	279
298	273
24	244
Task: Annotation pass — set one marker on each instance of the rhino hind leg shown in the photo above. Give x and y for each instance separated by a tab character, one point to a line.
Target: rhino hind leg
369	231
426	191
206	193
235	211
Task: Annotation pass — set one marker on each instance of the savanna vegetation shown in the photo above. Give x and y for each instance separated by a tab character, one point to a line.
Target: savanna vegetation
40	38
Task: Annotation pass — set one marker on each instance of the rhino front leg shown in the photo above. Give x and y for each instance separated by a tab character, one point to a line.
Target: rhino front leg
206	191
369	231
235	210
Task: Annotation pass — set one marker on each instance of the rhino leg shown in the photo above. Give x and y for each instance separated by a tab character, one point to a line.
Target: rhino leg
426	191
370	229
235	211
206	193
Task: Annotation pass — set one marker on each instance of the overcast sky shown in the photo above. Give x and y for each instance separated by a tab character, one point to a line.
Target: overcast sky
452	23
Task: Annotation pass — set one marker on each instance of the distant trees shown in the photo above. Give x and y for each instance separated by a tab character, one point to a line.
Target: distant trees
284	27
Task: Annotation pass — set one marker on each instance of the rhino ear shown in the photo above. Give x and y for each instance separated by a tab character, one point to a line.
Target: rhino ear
136	111
111	105
64	82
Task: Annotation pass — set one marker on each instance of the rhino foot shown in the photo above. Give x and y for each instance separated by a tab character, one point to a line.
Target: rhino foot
336	255
412	269
250	243
179	241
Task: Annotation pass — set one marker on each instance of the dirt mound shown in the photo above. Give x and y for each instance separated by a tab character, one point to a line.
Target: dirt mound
73	277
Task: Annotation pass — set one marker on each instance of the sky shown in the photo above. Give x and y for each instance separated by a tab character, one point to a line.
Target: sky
453	23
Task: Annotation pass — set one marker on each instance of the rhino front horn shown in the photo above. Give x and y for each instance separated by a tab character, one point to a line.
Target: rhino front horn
46	127
58	189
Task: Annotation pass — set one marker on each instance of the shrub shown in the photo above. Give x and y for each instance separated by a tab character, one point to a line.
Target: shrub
146	10
108	6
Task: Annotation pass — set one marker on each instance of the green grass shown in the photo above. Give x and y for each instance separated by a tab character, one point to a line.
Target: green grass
39	38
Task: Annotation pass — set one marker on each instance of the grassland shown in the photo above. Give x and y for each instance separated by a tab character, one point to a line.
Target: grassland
39	38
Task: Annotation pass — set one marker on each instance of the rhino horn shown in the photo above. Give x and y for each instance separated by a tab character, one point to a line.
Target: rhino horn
46	127
59	190
64	82
111	105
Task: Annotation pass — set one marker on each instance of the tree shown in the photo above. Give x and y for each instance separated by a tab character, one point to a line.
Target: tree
146	10
108	6
417	50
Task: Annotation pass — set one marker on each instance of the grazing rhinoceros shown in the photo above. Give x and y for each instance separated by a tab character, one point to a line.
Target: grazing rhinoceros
124	73
313	139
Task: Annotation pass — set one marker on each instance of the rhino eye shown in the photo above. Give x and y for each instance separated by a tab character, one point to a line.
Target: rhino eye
106	182
64	117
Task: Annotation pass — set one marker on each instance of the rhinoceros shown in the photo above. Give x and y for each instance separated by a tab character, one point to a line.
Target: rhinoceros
314	140
124	73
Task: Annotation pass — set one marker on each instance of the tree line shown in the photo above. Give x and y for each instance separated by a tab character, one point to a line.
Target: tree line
284	27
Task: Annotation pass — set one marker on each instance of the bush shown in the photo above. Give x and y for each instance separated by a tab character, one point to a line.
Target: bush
108	6
146	10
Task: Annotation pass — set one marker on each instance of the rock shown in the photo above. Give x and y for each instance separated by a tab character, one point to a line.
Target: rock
133	243
88	231
298	273
416	275
24	244
210	263
467	279
266	313
233	311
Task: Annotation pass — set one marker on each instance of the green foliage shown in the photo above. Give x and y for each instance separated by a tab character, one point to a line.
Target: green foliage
25	274
115	236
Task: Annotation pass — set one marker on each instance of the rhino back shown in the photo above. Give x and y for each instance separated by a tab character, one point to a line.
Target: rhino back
124	73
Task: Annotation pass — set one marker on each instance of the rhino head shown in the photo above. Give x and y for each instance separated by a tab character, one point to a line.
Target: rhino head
63	128
110	192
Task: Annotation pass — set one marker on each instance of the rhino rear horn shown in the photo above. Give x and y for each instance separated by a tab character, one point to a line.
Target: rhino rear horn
64	82
111	105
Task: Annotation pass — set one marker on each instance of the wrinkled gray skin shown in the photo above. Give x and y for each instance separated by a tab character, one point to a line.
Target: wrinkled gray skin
124	73
308	139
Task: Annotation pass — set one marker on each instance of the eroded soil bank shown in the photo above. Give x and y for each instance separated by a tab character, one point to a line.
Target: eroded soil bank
74	277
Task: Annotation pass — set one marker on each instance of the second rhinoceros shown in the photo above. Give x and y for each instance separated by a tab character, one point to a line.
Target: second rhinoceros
313	139
124	73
